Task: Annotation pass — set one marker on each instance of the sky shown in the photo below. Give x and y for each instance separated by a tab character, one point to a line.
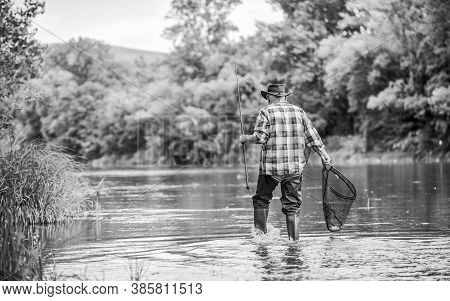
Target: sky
132	23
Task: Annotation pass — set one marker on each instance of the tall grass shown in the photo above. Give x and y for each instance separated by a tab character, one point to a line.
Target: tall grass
137	270
38	185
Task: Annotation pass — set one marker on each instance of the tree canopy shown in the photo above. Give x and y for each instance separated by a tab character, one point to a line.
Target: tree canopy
20	55
374	69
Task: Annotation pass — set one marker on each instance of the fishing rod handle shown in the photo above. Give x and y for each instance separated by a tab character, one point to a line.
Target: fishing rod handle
245	165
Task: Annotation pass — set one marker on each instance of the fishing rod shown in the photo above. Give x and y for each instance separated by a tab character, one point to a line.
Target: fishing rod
240	114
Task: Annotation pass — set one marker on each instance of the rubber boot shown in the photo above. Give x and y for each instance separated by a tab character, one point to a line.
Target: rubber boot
260	218
293	226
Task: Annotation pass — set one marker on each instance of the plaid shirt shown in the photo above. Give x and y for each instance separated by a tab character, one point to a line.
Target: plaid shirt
284	131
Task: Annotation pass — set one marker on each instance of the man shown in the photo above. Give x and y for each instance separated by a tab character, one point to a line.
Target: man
284	131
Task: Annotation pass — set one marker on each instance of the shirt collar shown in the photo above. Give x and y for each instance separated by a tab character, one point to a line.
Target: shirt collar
280	102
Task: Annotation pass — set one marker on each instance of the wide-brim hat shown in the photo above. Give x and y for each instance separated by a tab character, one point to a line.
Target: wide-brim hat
275	90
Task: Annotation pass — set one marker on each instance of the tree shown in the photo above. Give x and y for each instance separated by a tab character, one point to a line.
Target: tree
200	32
327	12
86	59
389	71
288	53
75	82
20	56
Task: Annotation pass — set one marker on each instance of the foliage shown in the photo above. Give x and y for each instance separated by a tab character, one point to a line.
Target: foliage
38	182
288	53
200	33
19	57
376	69
389	72
84	105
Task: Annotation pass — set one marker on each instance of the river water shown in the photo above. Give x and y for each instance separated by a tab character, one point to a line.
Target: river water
196	224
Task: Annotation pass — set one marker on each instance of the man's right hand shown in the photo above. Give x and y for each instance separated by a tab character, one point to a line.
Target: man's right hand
326	163
247	139
243	138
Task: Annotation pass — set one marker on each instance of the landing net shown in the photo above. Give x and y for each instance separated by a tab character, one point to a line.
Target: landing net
338	196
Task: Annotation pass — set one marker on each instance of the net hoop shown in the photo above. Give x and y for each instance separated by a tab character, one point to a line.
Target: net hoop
344	179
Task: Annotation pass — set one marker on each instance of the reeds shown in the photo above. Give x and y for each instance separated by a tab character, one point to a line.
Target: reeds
137	270
38	185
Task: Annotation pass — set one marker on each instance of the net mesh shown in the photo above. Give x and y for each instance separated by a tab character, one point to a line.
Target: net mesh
338	196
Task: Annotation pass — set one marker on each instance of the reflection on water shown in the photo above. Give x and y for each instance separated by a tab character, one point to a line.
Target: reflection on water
197	225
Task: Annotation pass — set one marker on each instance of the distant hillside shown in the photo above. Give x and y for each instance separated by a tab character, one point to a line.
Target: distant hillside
128	55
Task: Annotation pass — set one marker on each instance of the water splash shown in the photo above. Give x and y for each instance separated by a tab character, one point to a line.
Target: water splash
271	237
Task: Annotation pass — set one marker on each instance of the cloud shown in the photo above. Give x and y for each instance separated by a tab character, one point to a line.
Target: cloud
138	26
250	11
141	33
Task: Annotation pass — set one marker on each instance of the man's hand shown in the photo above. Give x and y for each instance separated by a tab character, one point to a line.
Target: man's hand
243	138
327	165
247	139
326	160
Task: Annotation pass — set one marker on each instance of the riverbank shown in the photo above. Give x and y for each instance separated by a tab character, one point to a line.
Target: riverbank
340	158
344	151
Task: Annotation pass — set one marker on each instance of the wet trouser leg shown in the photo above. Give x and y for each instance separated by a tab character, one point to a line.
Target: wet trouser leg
261	201
291	201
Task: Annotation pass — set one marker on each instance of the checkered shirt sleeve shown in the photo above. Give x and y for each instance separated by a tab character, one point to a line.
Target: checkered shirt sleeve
313	139
262	128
